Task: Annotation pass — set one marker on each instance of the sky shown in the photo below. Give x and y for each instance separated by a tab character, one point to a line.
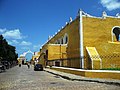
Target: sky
27	24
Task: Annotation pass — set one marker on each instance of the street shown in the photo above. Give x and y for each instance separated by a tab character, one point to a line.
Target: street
22	78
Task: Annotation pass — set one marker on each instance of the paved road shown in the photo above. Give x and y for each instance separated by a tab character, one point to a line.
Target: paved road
22	78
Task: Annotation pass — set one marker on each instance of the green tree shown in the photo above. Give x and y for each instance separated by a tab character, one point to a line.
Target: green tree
7	52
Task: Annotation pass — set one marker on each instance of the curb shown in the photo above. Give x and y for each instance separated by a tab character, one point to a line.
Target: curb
87	80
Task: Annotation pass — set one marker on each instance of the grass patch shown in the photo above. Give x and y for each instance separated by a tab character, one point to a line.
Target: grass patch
117	69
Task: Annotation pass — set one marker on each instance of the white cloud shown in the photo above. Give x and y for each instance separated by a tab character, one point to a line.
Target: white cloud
111	4
15	41
25	48
13	34
11	42
2	30
25	43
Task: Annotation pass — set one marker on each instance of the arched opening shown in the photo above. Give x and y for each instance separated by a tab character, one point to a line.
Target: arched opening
62	41
46	54
28	56
65	39
58	41
23	62
116	33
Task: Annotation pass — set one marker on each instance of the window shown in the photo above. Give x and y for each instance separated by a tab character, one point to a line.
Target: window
58	41
65	41
119	37
116	32
62	41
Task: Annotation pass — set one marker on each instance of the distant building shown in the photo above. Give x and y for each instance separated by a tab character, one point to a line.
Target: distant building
21	59
35	57
87	42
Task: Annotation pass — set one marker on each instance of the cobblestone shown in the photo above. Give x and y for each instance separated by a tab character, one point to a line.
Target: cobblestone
22	78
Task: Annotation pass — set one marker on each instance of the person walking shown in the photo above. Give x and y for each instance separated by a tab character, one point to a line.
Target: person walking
28	65
19	65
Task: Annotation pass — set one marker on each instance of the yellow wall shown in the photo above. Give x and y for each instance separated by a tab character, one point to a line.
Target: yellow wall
72	49
42	60
96	33
56	52
37	54
92	73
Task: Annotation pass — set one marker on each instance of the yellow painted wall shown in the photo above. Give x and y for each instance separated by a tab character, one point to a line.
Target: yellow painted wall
56	52
36	56
72	49
92	73
97	33
19	61
42	60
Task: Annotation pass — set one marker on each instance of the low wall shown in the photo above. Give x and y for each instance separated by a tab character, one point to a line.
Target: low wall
90	73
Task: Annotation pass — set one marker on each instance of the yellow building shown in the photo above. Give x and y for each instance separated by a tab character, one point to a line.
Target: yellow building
35	57
87	42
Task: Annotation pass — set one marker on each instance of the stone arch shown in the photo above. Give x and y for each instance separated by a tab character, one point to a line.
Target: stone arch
22	58
29	51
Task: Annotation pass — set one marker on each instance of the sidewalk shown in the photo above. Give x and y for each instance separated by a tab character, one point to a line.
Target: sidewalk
73	77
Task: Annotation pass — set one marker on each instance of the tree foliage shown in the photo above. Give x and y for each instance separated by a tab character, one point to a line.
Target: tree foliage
7	52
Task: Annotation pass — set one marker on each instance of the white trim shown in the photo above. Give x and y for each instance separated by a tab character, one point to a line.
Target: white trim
81	38
58	44
24	54
106	16
65	68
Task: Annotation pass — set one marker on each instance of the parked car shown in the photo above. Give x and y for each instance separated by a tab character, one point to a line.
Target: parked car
6	64
38	67
2	67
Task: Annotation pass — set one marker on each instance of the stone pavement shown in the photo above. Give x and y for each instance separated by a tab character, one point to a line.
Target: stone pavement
22	78
73	77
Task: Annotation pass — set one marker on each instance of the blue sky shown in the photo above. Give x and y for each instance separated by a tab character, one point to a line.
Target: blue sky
27	24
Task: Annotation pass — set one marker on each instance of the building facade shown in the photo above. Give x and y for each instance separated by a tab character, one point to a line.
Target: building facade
21	59
87	42
35	58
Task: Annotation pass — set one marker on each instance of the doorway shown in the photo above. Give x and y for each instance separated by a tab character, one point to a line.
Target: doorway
57	63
